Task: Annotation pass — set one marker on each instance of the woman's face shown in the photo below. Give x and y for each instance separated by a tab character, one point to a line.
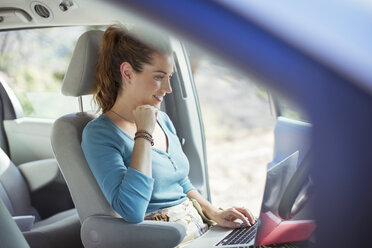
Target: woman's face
151	85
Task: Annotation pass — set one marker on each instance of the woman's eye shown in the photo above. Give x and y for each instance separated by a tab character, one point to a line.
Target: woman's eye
159	77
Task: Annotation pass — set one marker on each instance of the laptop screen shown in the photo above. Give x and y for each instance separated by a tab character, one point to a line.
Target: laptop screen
272	228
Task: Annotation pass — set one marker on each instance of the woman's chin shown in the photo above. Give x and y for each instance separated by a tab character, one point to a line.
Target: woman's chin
156	105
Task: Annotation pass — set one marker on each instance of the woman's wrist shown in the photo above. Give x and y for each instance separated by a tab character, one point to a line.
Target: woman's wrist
144	135
211	212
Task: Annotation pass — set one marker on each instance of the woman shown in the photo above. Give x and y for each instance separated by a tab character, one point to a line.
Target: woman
138	180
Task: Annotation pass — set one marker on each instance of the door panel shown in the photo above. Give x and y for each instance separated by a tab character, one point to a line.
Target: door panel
29	139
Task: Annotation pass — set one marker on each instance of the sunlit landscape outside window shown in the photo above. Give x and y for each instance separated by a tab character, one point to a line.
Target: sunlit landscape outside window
36	78
239	127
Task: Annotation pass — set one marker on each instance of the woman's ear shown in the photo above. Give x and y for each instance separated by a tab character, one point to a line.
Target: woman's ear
126	71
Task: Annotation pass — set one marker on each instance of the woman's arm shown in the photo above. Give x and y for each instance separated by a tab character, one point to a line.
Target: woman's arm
225	218
141	157
127	188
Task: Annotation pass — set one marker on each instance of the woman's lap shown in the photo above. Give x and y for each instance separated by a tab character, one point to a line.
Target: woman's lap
184	214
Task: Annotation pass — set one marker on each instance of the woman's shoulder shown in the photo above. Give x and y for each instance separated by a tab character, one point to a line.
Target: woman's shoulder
103	132
97	123
100	126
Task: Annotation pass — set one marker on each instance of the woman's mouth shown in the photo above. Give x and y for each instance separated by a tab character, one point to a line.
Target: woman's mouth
158	98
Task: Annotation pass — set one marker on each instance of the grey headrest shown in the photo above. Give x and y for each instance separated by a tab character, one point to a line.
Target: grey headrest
79	78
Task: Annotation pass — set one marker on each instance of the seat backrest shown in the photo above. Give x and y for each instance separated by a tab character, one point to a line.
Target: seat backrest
67	131
66	139
13	189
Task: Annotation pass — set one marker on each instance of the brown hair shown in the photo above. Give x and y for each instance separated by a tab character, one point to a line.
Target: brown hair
119	46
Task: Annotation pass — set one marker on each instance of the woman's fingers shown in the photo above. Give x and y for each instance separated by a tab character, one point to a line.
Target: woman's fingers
248	214
229	224
227	217
239	215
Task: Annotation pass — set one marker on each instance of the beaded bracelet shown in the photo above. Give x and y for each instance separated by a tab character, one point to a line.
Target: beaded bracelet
146	138
145	135
143	132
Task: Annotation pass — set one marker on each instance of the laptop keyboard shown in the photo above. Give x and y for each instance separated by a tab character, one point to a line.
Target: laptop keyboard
242	235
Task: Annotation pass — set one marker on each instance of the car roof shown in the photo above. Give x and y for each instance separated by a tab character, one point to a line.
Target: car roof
20	14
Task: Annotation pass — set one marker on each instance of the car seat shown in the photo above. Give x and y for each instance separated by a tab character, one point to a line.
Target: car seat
101	225
59	230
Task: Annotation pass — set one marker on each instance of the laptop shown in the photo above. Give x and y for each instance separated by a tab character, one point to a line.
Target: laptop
264	229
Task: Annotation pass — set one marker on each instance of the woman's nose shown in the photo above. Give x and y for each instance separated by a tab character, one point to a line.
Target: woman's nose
168	87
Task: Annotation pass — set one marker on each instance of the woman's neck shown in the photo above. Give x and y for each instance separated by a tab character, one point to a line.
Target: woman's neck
123	110
124	114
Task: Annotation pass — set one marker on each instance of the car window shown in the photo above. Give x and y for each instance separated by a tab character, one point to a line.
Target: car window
33	63
238	126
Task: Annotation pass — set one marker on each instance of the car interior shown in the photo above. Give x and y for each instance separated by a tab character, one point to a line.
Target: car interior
49	197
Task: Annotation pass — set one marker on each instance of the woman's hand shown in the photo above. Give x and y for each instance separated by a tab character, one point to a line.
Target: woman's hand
145	118
226	218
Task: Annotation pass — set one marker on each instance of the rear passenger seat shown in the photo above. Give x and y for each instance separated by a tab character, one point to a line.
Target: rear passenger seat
59	230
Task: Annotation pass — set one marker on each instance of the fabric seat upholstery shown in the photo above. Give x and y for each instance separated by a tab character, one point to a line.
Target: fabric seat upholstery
16	196
101	226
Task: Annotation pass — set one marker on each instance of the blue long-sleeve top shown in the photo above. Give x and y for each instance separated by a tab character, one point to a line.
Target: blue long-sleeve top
108	150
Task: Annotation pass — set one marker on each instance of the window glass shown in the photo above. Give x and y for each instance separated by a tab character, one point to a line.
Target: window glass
239	127
33	63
